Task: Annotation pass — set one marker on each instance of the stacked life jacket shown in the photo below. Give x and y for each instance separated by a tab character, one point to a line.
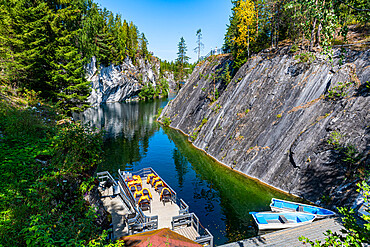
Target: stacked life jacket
155	180
149	194
168	192
150	177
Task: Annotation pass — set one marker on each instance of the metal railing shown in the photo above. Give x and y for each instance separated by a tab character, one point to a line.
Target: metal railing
126	189
191	220
184	208
140	222
212	52
104	176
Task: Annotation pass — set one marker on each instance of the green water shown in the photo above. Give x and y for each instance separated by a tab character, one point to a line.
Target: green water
220	197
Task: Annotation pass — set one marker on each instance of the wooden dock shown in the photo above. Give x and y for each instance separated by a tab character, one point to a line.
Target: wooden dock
289	237
164	212
118	210
128	218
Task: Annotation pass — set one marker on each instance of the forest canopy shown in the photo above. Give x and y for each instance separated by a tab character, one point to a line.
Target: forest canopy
258	24
45	44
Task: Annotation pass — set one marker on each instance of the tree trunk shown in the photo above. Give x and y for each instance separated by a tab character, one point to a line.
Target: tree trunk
248	42
313	34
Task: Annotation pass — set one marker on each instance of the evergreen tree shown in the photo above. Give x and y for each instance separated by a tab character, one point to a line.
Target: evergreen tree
144	46
200	45
182	59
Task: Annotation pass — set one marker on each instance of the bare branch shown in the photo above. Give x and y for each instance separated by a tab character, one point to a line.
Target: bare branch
365	10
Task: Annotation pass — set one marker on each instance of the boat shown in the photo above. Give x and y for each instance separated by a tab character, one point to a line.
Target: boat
364	210
279	205
281	220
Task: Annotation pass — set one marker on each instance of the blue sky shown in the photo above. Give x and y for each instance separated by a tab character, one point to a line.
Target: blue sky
164	22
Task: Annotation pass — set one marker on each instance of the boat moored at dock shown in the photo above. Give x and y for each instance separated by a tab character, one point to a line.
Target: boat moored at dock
280	220
279	205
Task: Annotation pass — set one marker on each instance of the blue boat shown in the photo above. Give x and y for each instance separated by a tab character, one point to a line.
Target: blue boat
281	220
279	205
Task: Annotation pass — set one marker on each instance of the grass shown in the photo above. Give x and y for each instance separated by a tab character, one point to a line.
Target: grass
42	203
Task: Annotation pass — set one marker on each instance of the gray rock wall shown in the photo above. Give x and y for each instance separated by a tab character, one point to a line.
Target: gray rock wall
274	119
117	83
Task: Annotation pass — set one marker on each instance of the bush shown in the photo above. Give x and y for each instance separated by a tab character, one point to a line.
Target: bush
305	57
166	121
77	148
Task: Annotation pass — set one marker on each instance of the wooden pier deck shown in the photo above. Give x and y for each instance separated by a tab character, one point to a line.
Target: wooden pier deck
118	210
164	212
128	218
289	237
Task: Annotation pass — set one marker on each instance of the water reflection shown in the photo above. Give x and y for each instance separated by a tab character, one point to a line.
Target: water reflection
220	197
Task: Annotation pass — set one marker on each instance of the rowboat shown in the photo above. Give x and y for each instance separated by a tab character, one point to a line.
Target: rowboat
279	205
280	220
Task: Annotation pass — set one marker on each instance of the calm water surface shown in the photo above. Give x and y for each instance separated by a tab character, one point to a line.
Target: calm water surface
221	198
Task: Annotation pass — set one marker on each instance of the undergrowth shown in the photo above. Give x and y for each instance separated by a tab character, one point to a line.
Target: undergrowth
46	169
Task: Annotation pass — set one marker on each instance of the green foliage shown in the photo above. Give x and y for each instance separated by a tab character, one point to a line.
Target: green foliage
305	57
194	135
150	92
45	46
77	148
334	139
226	76
294	48
355	232
257	25
166	121
42	202
339	91
182	58
159	112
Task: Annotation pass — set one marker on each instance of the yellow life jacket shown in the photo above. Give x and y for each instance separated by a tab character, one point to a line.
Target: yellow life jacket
133	186
155	180
150	194
136	177
158	183
134	182
137	193
142	198
164	189
149	177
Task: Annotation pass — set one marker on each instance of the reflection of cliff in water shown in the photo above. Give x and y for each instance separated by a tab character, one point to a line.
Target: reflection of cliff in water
128	127
236	194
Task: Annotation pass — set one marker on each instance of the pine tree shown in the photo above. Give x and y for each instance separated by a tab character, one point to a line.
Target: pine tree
200	45
182	59
144	46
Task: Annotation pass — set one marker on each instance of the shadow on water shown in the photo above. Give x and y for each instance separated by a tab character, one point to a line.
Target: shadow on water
221	198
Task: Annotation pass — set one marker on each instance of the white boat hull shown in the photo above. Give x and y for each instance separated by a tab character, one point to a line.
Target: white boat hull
276	226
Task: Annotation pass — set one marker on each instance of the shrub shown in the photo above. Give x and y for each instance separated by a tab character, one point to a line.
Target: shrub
166	121
339	91
294	48
305	57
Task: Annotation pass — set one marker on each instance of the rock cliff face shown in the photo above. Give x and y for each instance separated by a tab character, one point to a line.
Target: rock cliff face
117	83
289	124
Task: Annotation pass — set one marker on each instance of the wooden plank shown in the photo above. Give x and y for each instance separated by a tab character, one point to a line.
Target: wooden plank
289	237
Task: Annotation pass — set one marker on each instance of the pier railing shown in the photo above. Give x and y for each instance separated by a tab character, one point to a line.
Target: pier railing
184	208
104	176
191	220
